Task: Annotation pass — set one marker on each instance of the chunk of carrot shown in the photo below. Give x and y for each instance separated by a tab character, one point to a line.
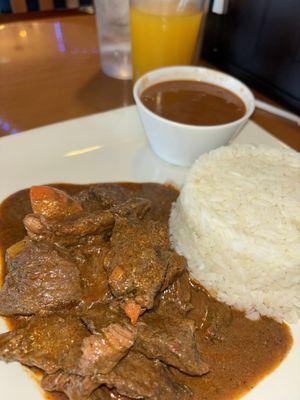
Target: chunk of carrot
132	310
52	202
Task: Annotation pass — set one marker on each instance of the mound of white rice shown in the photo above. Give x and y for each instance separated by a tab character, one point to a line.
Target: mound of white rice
237	221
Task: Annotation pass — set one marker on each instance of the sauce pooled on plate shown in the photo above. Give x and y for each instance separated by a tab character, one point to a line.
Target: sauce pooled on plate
193	102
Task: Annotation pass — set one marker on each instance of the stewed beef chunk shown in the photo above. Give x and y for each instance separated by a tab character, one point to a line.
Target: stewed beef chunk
148	233
135	377
76	387
138	377
54	342
112	338
171	340
217	317
176	265
69	229
95	286
135	208
140	264
51	343
101	315
40	276
176	299
102	352
102	196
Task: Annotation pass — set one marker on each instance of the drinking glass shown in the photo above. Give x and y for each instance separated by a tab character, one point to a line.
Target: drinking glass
112	18
164	33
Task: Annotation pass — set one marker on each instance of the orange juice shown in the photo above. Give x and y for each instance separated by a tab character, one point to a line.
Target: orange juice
162	39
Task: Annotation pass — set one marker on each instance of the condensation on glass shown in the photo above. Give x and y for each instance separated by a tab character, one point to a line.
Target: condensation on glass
114	37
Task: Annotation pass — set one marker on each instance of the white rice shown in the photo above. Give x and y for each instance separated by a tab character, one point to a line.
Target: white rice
237	221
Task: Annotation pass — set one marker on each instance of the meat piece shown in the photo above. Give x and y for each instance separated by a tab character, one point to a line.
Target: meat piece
138	377
40	277
94	280
171	340
51	343
105	196
135	377
94	245
68	230
177	298
112	338
102	196
176	265
101	315
134	266
147	233
52	202
213	317
134	208
102	352
74	386
218	319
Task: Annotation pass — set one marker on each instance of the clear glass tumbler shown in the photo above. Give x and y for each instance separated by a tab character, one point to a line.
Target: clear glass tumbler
114	37
164	32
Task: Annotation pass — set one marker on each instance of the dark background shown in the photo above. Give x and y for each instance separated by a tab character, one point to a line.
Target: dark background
259	41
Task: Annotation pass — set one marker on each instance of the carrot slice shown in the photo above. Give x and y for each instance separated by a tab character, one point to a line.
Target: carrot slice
132	310
52	202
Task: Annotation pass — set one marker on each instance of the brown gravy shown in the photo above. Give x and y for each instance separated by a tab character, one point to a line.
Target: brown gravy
193	102
246	352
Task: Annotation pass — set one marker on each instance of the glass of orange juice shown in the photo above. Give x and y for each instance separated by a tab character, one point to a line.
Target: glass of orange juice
164	33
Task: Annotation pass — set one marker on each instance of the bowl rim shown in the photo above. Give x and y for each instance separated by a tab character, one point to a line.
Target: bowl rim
140	104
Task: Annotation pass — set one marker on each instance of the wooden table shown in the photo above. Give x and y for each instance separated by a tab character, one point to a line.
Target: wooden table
50	72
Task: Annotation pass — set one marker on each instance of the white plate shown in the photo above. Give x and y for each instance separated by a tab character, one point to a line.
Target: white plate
110	147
